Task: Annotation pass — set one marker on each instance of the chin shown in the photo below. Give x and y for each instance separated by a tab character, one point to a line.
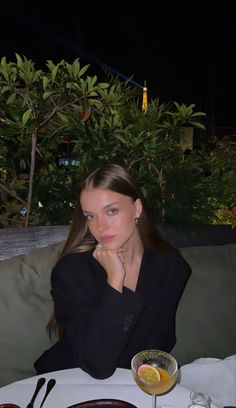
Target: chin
113	245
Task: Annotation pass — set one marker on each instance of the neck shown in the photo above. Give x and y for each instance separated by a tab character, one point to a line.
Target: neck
132	263
134	250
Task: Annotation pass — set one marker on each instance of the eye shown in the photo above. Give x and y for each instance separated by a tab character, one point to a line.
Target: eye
113	211
88	217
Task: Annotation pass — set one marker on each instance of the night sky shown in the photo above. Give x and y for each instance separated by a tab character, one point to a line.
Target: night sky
185	50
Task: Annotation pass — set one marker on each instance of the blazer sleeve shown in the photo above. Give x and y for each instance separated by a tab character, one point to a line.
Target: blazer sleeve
97	319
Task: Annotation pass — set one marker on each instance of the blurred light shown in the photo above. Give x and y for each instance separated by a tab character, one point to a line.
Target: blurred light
65	162
23	211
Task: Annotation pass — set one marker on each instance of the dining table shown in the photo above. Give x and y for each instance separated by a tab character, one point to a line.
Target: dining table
74	386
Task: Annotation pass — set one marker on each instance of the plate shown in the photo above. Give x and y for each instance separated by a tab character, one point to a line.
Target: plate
9	405
103	403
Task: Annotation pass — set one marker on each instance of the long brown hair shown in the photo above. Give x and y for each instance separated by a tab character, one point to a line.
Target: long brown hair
116	178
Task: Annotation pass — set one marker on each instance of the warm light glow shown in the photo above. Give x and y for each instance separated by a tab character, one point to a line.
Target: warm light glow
145	99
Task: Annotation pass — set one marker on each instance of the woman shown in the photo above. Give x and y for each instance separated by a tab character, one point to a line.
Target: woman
117	285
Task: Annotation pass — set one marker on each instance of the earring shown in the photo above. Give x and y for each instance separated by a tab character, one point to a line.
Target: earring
136	220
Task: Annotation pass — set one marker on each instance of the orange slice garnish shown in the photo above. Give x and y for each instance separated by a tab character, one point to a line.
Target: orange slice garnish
149	374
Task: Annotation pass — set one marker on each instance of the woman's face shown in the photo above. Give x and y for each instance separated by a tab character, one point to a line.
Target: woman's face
110	216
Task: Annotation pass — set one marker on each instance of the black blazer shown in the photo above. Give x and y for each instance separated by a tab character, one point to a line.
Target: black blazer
105	328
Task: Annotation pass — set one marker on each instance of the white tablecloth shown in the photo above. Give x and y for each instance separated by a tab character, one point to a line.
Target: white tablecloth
74	386
215	376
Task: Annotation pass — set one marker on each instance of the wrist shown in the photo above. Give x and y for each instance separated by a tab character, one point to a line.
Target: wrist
116	284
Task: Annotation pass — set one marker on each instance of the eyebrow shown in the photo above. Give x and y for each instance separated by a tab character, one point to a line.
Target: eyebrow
106	206
109	205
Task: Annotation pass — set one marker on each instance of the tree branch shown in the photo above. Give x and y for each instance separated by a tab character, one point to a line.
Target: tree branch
12	194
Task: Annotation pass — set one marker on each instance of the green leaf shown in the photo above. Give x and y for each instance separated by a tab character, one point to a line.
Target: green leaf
5	89
47	94
26	116
54	73
197	125
63	117
19	60
11	98
4	62
92	93
103	85
5	74
69	69
75	68
45	82
50	65
83	70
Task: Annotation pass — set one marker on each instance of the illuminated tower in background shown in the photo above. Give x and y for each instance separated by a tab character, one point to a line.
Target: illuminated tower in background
145	99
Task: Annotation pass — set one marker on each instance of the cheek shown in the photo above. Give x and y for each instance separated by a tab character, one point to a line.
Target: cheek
91	227
127	220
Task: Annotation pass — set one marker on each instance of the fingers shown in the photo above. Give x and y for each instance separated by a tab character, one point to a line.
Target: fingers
109	258
114	264
99	250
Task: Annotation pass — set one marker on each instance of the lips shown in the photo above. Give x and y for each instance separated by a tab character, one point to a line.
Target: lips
107	238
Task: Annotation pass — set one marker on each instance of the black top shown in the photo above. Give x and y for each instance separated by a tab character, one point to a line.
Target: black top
105	328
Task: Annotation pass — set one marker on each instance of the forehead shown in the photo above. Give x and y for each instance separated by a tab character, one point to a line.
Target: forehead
95	198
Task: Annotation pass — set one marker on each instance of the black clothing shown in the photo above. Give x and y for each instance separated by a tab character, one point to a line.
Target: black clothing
104	328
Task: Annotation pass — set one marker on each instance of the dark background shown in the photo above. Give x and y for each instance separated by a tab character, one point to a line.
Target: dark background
185	50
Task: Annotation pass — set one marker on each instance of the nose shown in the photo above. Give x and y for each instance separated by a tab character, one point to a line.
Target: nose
102	223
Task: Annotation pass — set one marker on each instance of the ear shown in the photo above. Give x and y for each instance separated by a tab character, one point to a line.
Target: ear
138	208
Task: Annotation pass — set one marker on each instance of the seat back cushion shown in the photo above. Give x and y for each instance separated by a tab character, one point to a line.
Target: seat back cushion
25	308
206	315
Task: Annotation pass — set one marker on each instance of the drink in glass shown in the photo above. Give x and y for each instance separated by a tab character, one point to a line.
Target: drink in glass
155	372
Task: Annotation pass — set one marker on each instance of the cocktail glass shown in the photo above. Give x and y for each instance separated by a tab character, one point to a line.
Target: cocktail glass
155	372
